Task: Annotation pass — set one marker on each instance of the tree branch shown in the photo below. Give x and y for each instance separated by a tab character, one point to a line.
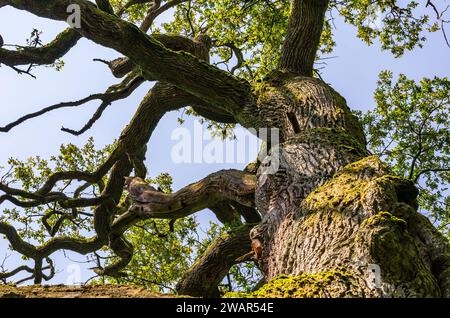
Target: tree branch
124	251
113	93
78	245
160	99
439	17
421	172
204	277
183	70
19	269
240	59
17	243
105	6
303	36
157	10
233	185
46	54
123	65
45	110
216	87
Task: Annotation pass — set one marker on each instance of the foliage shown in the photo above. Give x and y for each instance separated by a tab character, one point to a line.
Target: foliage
161	256
135	14
398	28
257	27
410	129
35	38
35	41
162	253
30	174
218	130
254	27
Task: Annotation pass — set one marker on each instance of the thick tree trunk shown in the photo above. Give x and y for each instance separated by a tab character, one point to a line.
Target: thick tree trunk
332	214
303	36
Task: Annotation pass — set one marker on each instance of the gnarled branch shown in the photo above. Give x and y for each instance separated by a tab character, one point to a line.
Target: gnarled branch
198	47
203	278
216	87
233	185
44	55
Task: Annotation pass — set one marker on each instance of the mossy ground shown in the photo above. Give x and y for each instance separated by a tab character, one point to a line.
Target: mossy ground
62	291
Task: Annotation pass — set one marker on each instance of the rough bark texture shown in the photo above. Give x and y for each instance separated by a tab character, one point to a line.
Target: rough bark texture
304	31
327	216
330	208
60	291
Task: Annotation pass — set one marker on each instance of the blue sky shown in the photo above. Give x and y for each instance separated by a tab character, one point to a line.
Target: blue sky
353	72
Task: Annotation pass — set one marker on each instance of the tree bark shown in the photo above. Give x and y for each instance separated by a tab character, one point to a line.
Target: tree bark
331	208
303	36
333	218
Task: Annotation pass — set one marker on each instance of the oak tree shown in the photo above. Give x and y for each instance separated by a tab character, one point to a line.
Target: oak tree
324	217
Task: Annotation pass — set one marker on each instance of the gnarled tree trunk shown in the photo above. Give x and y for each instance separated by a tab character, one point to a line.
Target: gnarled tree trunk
334	213
331	217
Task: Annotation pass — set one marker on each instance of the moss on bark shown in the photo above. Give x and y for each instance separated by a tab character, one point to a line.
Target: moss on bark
333	283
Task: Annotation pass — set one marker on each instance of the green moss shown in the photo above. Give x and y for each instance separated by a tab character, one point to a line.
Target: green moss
384	218
351	185
346	186
395	251
280	88
252	167
441	269
302	286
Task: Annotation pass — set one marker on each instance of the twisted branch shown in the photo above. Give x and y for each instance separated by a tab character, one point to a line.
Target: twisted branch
113	93
233	185
43	55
